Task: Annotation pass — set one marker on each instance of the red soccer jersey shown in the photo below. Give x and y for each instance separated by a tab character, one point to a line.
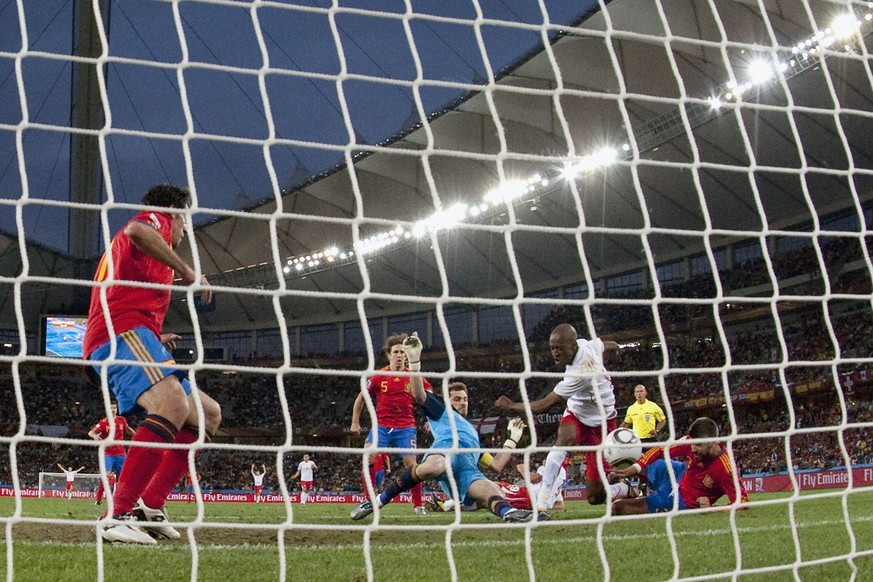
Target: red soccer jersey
131	307
102	429
394	402
379	462
517	495
710	479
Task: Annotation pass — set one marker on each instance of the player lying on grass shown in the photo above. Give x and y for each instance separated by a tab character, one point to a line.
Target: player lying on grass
518	494
465	467
703	471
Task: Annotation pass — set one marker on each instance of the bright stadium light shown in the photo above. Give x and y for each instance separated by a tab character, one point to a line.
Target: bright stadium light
845	26
760	72
506	192
845	29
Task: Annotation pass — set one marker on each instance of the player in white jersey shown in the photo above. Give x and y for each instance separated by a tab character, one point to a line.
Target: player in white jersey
556	497
259	481
305	471
587	393
70	476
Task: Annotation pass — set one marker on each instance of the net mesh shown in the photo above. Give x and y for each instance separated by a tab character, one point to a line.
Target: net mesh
717	227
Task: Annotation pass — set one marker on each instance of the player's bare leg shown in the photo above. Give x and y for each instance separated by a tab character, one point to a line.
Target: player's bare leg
635	506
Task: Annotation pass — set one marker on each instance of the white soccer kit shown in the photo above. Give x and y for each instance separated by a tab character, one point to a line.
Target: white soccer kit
586	385
305	468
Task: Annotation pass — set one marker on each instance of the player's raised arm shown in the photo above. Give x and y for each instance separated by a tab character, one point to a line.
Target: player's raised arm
544	404
412	348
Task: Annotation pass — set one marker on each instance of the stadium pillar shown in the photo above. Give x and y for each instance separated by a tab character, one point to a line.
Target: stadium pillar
86	112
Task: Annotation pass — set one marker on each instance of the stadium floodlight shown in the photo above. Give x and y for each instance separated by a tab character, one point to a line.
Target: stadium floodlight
844	26
599	159
760	71
506	192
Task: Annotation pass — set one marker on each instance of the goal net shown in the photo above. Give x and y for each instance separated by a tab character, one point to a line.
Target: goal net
55	485
688	180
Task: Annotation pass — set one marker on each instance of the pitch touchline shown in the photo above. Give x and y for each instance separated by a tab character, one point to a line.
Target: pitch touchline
428	545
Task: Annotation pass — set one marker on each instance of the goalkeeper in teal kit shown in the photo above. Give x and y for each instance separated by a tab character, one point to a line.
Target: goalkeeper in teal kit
471	483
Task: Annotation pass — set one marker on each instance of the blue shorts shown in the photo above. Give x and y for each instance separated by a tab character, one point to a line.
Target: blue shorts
129	382
395	438
114	463
465	470
661	490
380	477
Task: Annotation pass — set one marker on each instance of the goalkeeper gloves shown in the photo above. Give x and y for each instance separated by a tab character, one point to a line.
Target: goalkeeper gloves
412	349
516	429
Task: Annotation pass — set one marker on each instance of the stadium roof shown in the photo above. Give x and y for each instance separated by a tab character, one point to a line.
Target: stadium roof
779	159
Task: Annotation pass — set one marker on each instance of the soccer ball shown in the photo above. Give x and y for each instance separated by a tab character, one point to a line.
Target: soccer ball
622	448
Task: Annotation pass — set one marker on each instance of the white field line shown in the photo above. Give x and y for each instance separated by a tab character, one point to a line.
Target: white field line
440	544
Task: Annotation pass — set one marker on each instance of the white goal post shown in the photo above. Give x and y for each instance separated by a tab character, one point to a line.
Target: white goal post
55	484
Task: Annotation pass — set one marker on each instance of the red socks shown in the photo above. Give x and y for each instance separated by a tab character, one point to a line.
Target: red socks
171	470
141	462
416	495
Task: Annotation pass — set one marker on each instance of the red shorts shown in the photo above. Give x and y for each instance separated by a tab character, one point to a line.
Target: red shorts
516	495
69	485
306	486
258	489
590	436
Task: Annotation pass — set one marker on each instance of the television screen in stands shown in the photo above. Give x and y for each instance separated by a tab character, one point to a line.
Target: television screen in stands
62	335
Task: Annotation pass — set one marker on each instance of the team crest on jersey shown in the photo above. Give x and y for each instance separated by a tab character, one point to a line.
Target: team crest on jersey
707	481
153	219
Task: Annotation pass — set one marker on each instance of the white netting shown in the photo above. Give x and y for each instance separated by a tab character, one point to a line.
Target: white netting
690	179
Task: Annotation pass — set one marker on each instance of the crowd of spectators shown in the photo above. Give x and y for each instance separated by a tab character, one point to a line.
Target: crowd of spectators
683	351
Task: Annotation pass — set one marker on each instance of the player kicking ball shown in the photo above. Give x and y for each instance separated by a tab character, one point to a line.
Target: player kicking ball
470	481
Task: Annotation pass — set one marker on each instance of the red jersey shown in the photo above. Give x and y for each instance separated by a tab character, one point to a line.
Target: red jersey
102	430
712	478
131	307
379	462
111	479
517	495
394	402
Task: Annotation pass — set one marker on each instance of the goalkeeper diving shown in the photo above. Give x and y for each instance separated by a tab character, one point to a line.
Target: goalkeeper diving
472	485
523	493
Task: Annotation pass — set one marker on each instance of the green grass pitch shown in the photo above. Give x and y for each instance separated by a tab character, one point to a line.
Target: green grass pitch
237	541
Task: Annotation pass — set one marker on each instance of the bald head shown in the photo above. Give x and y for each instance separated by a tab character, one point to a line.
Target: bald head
562	344
564	332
